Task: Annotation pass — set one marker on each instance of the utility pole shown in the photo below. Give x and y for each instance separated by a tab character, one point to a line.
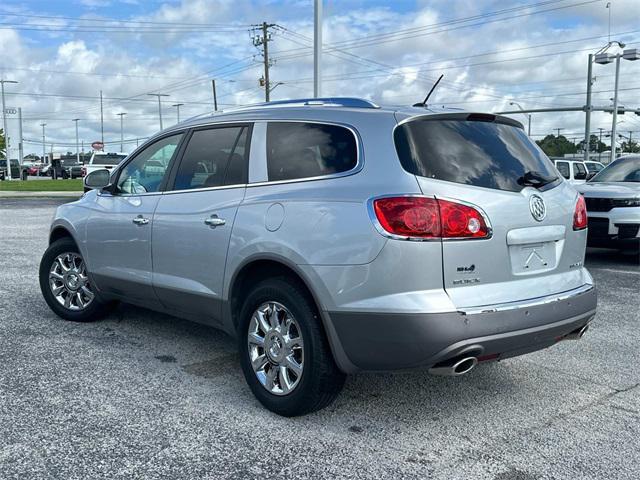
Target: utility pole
559	132
20	139
215	97
587	121
159	104
600	141
101	120
317	49
5	129
178	105
263	41
43	142
615	110
121	115
76	120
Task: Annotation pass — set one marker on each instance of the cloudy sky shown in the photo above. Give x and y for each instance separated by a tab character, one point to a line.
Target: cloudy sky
491	52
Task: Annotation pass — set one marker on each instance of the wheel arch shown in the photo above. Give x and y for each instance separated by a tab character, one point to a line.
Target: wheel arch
259	267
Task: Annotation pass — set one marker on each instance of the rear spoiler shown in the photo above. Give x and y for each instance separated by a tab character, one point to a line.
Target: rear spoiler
465	116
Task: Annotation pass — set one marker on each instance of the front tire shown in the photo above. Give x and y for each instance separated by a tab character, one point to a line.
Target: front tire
65	284
284	352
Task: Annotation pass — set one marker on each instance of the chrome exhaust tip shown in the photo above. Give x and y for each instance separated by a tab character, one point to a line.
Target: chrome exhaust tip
454	367
577	334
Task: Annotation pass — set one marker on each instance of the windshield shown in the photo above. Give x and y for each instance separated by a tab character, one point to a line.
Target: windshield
111	159
472	152
622	170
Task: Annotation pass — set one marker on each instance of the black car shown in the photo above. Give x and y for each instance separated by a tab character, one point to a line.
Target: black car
68	169
16	171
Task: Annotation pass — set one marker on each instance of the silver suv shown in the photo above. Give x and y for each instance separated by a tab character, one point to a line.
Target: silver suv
331	236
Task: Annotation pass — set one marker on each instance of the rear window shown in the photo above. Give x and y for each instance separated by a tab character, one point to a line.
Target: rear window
304	150
563	168
108	159
480	153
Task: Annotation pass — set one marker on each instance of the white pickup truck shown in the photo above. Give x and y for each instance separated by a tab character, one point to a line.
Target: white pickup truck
101	160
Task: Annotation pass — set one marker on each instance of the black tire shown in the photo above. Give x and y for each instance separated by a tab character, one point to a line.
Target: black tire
321	380
94	311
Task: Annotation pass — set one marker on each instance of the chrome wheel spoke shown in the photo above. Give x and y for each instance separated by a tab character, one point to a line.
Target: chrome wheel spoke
271	377
67	301
283	378
88	293
256	339
55	276
259	362
293	365
262	320
294	343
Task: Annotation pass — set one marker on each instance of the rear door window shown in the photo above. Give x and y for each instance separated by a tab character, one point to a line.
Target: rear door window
580	172
304	150
214	157
471	152
563	168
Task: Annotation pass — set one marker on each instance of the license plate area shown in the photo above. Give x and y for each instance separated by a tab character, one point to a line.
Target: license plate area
533	257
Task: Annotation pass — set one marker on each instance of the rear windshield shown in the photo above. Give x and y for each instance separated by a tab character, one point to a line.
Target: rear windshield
480	153
622	170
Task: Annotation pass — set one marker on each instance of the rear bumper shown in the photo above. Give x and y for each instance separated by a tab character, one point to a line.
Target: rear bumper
388	341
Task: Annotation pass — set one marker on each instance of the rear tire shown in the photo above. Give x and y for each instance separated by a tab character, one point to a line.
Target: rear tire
65	284
319	381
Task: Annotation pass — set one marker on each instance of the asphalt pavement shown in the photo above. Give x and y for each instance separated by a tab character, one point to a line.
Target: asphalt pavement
146	395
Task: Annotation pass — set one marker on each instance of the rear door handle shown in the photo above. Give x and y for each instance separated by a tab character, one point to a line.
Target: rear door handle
214	221
140	220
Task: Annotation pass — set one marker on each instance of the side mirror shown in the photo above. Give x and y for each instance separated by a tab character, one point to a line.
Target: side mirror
97	179
590	175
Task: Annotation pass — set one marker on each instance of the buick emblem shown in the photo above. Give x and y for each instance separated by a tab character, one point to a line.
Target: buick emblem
537	207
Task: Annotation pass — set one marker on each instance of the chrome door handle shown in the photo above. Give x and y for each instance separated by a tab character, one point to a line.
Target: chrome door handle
214	221
140	220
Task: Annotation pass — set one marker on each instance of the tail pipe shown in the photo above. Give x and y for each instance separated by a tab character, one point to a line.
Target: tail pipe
454	367
577	333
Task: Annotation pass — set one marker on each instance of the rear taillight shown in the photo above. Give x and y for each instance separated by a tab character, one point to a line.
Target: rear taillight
580	214
422	217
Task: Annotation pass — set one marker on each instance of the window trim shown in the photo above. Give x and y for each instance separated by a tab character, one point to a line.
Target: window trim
118	169
171	179
262	157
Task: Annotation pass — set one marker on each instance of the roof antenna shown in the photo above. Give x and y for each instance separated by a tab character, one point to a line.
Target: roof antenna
424	103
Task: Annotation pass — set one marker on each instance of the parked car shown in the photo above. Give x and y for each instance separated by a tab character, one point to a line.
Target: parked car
593	166
34	169
333	236
16	169
575	172
613	204
100	160
70	169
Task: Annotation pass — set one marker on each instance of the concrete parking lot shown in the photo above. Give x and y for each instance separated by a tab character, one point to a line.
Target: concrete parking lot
145	395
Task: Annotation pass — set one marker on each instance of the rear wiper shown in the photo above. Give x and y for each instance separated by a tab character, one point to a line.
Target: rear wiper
535	179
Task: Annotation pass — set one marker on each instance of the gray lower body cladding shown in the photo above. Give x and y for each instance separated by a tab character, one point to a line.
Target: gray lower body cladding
387	341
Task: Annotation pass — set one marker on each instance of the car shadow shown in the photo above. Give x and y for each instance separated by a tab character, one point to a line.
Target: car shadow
605	257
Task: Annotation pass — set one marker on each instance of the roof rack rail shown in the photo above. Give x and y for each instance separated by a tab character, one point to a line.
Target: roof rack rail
325	101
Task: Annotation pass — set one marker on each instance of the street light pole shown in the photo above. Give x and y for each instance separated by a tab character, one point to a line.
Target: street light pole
4	126
615	110
587	121
76	120
121	115
43	142
528	116
317	49
159	104
178	105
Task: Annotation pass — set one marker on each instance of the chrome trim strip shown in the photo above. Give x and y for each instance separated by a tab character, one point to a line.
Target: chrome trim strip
502	307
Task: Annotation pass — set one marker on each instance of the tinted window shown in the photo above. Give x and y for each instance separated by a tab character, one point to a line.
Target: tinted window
109	159
563	168
580	172
593	167
622	170
304	150
213	158
147	170
485	154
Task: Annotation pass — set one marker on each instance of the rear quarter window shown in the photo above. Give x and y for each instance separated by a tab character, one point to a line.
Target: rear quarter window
471	152
297	150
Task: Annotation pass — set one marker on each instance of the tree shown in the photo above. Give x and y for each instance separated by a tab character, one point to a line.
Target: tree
556	146
630	146
2	144
595	145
